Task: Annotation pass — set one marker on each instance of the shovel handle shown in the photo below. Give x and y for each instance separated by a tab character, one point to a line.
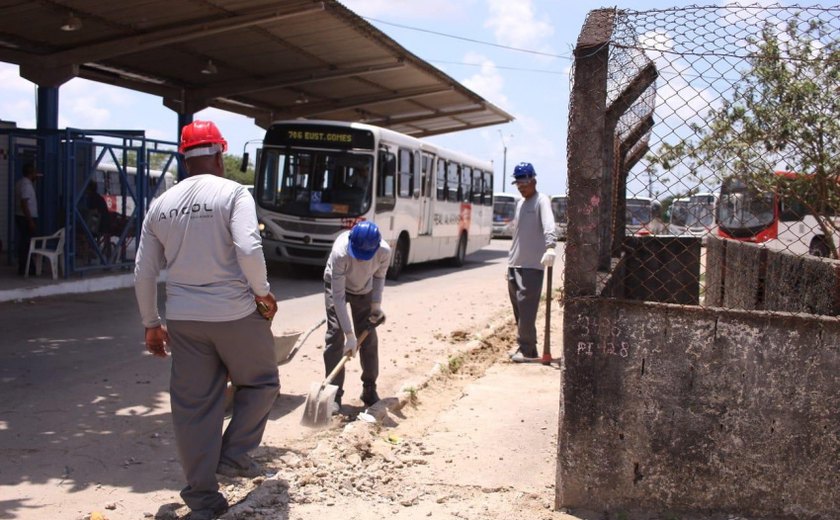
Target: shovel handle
546	355
346	357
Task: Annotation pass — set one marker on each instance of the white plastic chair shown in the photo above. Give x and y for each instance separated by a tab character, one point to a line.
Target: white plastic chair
50	247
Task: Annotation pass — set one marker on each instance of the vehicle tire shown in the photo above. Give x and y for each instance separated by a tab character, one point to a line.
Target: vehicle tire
460	252
400	257
819	248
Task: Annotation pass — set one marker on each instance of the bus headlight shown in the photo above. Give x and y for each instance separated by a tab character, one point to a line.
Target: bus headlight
265	232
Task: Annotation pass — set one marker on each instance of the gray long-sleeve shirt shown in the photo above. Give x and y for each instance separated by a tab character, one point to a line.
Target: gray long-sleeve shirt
345	275
204	232
533	232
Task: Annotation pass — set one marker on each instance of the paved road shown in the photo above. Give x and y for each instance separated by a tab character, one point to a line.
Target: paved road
84	419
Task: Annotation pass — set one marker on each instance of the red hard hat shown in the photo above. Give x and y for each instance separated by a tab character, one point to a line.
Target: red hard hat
200	133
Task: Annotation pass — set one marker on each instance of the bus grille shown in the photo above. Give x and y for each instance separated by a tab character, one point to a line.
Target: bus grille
306	253
310	227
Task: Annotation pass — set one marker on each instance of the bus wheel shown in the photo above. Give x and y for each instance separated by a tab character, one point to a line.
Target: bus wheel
400	257
461	252
818	247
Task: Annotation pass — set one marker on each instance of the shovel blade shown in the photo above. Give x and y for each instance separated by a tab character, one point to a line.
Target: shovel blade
317	411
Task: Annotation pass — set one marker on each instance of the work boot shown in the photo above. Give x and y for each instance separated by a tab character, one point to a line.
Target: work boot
252	470
369	395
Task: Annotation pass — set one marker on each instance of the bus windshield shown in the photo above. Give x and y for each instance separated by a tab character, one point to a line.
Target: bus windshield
638	212
744	212
503	210
314	183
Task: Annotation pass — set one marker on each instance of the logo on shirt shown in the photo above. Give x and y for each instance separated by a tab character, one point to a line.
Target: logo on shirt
196	210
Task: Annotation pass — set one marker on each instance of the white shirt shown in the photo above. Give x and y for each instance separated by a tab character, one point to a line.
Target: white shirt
345	275
25	191
204	231
533	232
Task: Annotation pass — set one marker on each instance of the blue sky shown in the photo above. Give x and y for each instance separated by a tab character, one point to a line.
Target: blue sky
532	86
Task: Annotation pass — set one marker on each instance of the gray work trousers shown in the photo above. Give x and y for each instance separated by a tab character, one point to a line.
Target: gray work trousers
368	350
524	289
203	355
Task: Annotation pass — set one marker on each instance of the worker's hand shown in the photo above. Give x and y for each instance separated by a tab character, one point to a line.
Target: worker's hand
547	259
377	315
350	344
156	340
266	305
31	224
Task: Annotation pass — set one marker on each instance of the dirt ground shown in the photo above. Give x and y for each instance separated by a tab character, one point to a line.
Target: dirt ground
421	457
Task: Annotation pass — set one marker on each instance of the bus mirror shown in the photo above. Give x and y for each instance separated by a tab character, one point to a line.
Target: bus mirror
244	166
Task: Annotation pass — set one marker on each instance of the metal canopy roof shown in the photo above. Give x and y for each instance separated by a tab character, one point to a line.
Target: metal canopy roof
265	59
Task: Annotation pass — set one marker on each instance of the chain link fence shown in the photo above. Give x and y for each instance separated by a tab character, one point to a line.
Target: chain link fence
720	183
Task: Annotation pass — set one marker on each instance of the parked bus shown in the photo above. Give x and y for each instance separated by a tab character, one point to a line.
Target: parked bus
693	215
504	210
111	184
318	178
559	206
771	218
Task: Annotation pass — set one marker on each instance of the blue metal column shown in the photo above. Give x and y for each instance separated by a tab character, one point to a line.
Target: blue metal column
51	208
183	120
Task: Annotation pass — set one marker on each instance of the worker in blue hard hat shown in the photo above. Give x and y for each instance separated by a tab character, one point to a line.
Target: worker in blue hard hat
355	275
531	251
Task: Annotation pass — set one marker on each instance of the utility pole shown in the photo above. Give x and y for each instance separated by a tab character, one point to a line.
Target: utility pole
504	160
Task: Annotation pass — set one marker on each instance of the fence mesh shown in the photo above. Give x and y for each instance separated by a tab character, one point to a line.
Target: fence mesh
725	168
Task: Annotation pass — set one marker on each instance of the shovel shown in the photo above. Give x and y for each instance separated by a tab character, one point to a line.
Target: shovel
317	410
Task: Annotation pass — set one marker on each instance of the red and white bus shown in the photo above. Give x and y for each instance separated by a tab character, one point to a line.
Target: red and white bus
769	216
316	179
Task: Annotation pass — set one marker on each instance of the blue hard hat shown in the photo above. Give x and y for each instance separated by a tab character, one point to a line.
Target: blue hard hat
523	170
364	240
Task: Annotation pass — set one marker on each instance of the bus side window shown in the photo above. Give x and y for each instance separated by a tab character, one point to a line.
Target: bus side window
477	192
406	169
441	179
792	210
385	186
466	184
488	189
453	178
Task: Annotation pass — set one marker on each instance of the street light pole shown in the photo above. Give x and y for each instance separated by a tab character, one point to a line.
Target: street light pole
504	160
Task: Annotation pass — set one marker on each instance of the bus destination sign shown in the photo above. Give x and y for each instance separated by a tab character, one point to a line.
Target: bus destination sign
317	136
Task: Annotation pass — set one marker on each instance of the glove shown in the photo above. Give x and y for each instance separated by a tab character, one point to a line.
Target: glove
376	313
548	258
350	344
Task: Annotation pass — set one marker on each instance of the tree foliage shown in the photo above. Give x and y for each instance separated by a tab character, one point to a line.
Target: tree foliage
784	113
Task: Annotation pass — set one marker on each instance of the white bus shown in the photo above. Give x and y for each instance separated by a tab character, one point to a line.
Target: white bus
504	210
111	184
693	215
560	208
314	181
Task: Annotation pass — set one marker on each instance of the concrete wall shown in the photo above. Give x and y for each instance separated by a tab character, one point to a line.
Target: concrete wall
741	275
691	409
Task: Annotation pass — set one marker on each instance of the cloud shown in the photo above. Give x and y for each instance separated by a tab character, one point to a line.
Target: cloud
515	24
488	82
11	80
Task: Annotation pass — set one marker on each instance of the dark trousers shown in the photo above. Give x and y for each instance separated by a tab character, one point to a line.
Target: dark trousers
203	354
524	289
23	235
368	350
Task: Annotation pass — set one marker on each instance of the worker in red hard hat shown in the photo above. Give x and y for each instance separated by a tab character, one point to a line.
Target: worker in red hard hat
218	311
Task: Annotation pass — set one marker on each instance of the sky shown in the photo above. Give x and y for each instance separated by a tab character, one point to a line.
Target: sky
515	54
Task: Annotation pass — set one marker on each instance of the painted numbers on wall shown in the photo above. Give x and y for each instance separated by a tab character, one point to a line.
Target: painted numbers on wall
611	345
